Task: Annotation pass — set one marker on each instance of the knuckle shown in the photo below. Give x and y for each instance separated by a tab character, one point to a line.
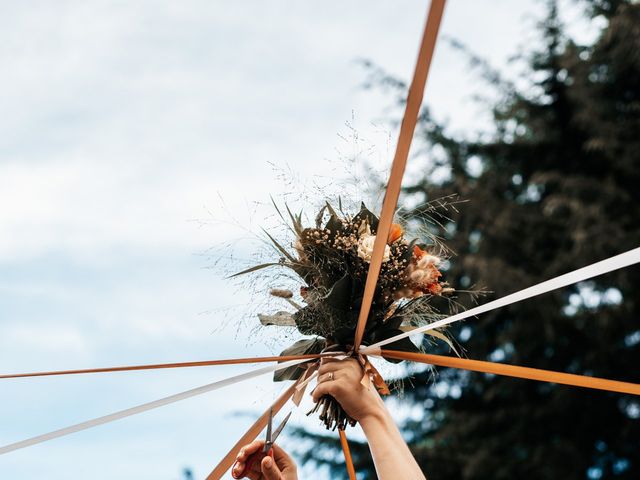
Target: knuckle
317	393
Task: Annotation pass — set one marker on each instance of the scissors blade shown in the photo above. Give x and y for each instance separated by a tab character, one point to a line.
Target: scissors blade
268	440
280	427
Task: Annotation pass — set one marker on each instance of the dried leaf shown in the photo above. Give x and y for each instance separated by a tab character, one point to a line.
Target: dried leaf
403	345
282	216
256	267
330	209
279	247
320	216
444	338
297	221
301	347
279	319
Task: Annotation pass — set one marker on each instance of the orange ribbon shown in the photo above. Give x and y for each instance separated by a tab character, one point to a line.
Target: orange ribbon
407	128
155	366
371	374
517	371
351	471
255	429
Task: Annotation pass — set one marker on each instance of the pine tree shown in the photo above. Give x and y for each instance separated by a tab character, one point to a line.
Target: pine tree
559	188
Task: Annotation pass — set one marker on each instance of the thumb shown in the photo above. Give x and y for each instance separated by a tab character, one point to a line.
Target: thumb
269	469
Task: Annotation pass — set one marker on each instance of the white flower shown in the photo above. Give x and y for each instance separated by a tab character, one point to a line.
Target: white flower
365	248
427	260
417	275
424	276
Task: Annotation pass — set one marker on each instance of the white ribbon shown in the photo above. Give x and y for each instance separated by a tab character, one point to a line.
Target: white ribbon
614	263
147	406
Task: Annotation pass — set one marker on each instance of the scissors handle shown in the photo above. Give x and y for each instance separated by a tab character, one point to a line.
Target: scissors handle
251	461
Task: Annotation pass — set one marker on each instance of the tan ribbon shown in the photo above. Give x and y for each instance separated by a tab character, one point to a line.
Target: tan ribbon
414	100
407	128
255	429
301	385
347	454
371	373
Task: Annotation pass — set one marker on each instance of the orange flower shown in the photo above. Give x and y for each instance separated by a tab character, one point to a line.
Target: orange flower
434	272
418	253
394	233
435	289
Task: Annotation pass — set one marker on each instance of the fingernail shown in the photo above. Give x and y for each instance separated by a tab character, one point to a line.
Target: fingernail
268	462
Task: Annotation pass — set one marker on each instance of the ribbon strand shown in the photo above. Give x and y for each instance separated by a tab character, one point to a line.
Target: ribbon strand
516	371
599	268
156	366
351	471
146	406
407	128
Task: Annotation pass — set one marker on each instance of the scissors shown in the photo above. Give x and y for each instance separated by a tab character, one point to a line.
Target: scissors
265	451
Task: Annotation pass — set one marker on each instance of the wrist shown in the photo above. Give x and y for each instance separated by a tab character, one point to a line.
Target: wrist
375	417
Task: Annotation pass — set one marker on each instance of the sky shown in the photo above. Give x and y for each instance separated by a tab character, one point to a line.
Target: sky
139	145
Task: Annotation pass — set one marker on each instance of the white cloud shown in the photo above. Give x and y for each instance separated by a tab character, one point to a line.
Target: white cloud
45	339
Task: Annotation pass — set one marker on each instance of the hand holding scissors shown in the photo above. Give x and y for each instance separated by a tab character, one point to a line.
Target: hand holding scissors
242	469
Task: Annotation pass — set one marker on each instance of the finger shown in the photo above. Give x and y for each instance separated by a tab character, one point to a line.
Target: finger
327	360
237	468
326	388
284	462
254	474
344	369
339	363
327	377
247	450
281	457
351	363
270	470
330	367
256	469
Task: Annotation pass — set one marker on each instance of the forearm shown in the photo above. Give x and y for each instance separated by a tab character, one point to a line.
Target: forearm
390	453
342	379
